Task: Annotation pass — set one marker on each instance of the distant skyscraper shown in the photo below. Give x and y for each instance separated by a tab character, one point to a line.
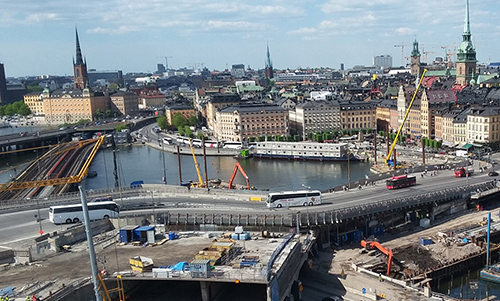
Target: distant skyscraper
415	59
382	61
342	67
269	65
238	70
79	67
160	68
466	54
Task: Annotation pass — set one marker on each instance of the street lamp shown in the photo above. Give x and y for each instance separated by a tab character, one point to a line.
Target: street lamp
37	216
163	159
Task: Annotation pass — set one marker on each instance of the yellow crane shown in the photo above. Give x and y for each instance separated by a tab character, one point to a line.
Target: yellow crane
58	181
404	119
199	184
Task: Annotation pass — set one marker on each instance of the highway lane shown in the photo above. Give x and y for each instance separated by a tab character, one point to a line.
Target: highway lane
22	225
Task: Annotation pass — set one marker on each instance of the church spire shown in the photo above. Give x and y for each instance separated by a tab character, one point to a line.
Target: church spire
269	65
466	22
79	57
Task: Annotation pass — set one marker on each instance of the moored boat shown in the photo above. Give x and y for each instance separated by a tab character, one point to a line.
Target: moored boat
305	151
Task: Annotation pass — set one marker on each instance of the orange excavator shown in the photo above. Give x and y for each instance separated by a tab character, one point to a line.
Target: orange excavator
370	245
236	168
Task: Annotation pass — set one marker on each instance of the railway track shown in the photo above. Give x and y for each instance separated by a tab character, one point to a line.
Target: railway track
62	160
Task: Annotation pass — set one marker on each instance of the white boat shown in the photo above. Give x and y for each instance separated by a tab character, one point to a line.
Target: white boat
304	151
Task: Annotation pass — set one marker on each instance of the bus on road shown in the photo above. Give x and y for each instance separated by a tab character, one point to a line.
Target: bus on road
68	214
400	181
293	198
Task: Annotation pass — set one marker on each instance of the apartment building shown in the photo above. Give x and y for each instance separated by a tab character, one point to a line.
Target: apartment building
483	125
124	103
315	116
239	122
217	102
357	115
185	110
405	96
431	102
34	101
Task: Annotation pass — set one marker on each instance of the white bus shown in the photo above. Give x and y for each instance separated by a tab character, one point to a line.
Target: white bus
73	213
232	145
293	198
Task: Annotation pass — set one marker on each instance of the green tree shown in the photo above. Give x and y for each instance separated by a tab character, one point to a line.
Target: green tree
34	87
251	139
99	114
368	130
108	113
289	138
179	121
188	131
162	122
181	131
352	132
192	120
344	132
261	138
335	133
309	135
113	86
296	138
120	127
200	136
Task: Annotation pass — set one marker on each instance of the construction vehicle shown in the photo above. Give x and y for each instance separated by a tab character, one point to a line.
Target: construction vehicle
370	245
236	168
200	183
461	172
404	120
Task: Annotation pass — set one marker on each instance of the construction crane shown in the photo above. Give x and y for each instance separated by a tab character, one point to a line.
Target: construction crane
425	53
199	184
448	54
370	245
236	168
404	119
402	45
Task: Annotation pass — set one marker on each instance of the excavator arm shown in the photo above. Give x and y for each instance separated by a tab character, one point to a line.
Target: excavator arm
370	245
236	168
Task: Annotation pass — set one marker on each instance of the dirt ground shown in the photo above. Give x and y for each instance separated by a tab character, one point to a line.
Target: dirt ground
68	267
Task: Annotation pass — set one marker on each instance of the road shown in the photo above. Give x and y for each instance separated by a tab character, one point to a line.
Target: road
17	226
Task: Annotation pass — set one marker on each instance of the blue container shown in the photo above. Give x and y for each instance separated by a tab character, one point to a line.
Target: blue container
172	236
245	236
357	236
424	241
235	236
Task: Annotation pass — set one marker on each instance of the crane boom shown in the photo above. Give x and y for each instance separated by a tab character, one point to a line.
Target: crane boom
200	179
404	119
58	181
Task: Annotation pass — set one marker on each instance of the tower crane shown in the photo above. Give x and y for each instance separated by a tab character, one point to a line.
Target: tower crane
448	54
425	53
402	45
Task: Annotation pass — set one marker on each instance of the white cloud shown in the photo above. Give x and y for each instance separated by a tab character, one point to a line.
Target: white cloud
404	31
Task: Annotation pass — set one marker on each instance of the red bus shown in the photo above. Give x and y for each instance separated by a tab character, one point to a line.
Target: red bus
401	181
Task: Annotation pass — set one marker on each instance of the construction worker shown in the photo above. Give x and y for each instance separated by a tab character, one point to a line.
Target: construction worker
28	298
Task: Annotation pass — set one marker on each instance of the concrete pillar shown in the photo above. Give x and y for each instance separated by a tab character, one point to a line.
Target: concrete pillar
205	290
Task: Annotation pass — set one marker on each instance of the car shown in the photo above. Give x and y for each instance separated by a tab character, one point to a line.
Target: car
332	298
493	174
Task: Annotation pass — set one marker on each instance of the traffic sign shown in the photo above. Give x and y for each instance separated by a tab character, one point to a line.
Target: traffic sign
41	232
363	290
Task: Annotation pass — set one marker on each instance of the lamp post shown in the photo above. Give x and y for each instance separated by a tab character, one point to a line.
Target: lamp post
307	199
37	216
163	159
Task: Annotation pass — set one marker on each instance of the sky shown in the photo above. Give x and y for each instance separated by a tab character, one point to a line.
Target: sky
38	37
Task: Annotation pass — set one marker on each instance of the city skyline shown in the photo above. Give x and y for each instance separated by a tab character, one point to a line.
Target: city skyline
134	37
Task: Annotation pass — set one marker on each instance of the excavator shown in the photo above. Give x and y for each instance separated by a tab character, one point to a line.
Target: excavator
370	245
236	168
200	183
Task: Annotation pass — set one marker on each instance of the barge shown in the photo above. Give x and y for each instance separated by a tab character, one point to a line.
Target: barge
304	151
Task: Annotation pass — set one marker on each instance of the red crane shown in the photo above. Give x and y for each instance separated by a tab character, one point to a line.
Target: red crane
236	167
370	245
